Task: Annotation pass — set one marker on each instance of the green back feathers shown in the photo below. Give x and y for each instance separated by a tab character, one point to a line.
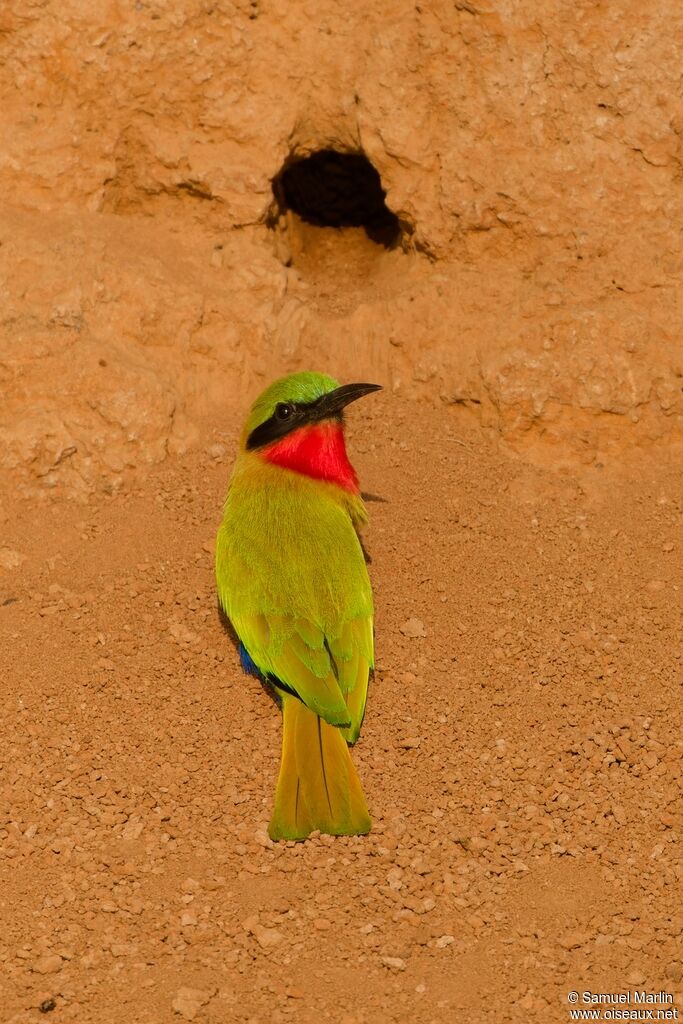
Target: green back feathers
288	545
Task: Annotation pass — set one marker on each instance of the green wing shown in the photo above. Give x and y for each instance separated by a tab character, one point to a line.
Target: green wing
329	674
353	654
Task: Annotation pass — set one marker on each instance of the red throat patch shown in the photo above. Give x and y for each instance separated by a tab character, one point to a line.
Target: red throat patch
319	452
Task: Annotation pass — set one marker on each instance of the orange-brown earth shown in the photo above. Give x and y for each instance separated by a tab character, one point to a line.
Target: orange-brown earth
522	759
522	751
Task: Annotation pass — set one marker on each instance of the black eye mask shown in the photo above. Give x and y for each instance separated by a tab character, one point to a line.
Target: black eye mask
289	416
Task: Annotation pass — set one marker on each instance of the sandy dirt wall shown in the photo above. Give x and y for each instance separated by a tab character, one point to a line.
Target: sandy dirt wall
534	156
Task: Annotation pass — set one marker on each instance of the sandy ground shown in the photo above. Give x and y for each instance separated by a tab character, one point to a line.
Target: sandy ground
522	758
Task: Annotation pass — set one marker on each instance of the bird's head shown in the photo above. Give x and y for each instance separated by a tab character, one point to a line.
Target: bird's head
297	424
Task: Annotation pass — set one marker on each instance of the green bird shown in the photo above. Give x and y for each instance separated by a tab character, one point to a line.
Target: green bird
293	582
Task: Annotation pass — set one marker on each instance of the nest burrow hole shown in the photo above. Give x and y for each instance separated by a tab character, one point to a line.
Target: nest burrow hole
330	189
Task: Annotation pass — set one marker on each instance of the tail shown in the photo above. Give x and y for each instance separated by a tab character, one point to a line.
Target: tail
318	787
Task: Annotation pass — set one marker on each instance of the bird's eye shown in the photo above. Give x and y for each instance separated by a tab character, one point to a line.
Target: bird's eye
284	411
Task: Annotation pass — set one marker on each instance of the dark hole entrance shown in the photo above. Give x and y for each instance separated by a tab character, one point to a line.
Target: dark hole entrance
338	190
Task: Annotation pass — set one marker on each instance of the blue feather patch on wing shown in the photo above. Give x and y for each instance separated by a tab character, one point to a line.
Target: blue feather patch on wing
248	665
251	668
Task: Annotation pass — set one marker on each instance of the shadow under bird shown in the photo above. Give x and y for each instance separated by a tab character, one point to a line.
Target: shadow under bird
293	581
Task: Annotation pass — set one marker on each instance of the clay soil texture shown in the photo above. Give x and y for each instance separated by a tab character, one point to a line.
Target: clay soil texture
164	256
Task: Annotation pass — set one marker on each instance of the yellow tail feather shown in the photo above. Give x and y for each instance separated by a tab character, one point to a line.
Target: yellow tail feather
318	787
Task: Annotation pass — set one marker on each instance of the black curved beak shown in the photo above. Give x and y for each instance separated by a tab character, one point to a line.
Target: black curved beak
333	402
